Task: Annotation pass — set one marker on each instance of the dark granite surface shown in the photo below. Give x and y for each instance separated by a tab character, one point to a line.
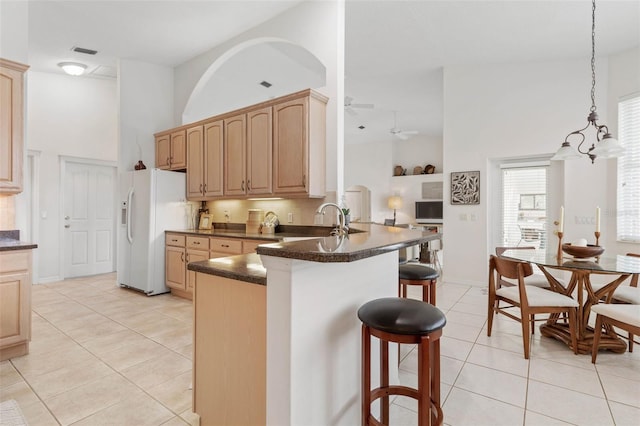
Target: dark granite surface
243	267
372	240
10	240
235	230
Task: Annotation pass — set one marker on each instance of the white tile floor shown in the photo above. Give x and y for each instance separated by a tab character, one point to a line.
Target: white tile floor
102	355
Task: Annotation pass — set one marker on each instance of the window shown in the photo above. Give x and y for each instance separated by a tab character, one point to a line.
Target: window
629	169
524	205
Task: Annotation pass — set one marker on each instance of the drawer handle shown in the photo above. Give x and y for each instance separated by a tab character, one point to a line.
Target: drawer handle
196	242
174	241
248	185
225	245
182	257
242	185
205	189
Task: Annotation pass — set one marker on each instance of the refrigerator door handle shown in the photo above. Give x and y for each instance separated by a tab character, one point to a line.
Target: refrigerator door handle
129	205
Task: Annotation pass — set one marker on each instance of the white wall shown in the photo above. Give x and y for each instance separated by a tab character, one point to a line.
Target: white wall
514	110
419	150
68	116
312	25
14	30
145	102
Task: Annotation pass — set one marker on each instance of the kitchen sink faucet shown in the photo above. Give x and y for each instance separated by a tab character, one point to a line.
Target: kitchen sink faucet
342	228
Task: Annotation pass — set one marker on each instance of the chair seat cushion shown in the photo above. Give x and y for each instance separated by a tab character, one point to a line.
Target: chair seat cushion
538	297
535	280
629	314
416	271
622	293
402	316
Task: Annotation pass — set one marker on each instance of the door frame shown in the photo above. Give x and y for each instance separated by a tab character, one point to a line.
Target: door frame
64	159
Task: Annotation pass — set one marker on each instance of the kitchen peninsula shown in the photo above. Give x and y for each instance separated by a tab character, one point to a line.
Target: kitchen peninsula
277	338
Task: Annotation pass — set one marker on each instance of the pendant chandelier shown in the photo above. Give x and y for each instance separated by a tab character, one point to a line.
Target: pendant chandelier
605	146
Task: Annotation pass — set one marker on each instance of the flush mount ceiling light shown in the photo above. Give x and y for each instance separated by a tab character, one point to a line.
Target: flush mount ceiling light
607	146
73	68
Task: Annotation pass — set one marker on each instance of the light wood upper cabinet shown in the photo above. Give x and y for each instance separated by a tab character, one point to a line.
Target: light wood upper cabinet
11	125
171	150
299	133
235	155
204	161
259	151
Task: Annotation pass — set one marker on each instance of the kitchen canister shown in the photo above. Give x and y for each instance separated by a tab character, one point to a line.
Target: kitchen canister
254	221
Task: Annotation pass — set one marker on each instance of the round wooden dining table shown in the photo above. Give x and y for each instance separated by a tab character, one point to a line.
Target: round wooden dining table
618	267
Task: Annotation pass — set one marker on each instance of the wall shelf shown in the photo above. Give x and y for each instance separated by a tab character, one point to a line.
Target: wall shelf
435	177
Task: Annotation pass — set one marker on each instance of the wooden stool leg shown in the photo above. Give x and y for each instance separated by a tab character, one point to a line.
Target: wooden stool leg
384	381
432	289
425	294
436	415
424	382
366	375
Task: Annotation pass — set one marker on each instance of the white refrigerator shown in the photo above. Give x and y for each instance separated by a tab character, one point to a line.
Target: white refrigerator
151	201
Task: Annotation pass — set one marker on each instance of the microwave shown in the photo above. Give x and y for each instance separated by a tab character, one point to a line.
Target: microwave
429	211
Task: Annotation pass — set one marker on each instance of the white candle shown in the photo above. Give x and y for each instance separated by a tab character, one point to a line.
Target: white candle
561	224
597	219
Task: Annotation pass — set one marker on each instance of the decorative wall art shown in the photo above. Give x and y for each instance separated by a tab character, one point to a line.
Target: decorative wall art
465	187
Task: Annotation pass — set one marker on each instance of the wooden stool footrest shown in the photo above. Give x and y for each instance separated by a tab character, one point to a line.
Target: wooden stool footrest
394	390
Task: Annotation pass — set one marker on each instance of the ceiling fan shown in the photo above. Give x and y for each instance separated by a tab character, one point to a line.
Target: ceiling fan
399	133
349	106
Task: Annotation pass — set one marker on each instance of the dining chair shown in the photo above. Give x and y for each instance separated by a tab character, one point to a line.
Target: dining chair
529	300
626	317
624	294
537	280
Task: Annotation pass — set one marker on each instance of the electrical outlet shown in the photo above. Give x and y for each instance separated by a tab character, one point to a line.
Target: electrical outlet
289	217
227	216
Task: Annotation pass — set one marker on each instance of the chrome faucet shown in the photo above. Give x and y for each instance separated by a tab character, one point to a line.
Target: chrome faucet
342	228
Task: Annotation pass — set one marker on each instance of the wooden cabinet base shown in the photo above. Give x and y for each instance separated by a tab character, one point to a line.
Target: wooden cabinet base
230	351
182	293
13	351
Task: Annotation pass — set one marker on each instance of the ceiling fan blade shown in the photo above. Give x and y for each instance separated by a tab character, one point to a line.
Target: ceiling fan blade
350	111
347	101
410	132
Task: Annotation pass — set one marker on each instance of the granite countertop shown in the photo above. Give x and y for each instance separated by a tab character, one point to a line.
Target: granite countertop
235	230
10	240
369	240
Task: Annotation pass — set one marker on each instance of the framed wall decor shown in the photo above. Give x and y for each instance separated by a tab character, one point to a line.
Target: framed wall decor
206	221
465	188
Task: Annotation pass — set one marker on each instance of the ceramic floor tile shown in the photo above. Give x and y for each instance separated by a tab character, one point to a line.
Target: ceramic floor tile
470	308
174	339
109	342
34	364
185	351
621	390
140	410
494	384
463	408
624	415
506	342
176	393
177	421
465	318
157	370
76	404
621	365
498	359
535	419
133	353
461	332
454	348
38	415
8	374
19	391
567	405
190	417
91	330
566	376
68	377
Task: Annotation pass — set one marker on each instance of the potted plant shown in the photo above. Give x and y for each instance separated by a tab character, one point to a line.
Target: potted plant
347	216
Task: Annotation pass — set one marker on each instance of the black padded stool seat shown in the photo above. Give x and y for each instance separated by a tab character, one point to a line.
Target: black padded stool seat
402	316
418	274
401	320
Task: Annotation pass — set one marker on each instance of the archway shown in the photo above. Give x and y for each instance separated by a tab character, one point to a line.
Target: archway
234	79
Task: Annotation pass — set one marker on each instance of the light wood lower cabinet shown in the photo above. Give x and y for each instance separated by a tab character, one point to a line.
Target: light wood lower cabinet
181	249
230	351
15	303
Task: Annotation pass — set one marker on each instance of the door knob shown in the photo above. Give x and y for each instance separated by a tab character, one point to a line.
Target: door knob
67	218
67	226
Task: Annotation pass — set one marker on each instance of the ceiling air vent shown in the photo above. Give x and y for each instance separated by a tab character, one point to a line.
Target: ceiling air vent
83	50
361	127
265	84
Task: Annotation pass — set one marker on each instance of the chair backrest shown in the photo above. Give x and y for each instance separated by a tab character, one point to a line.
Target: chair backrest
501	249
508	268
633	254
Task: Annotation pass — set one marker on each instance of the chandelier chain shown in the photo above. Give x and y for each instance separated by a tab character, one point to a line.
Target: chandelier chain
593	56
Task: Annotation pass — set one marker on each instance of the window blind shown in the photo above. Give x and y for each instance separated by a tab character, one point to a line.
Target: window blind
524	205
628	206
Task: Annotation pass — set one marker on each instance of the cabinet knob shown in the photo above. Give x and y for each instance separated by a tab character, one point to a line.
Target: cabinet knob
67	226
67	218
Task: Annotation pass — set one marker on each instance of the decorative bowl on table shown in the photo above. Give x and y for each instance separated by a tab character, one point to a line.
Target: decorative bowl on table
582	252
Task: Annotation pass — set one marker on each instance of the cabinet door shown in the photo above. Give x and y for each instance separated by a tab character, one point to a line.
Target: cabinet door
15	309
195	161
213	160
235	155
259	151
175	267
194	256
290	141
11	138
178	150
163	152
249	246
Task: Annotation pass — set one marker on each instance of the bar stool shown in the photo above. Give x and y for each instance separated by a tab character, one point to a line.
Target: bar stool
401	320
418	274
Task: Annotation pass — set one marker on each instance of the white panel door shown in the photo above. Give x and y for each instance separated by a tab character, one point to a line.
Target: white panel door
88	219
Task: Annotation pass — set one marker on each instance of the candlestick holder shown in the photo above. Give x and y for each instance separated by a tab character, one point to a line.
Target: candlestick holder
560	234
597	234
